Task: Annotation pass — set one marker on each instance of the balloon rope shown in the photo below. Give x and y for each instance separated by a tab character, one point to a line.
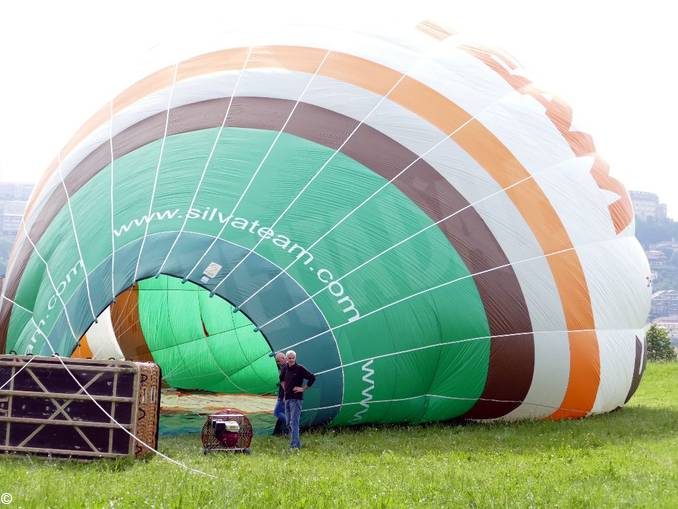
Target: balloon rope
215	238
112	419
75	236
110	144
406	239
261	163
453	342
51	281
355	209
209	158
427	290
327	162
15	374
456	398
16	304
436	287
157	168
125	311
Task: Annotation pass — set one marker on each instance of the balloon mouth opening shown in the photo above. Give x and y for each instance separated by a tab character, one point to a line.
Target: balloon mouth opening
203	345
211	354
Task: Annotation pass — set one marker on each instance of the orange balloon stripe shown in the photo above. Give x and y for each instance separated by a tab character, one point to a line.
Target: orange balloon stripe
560	114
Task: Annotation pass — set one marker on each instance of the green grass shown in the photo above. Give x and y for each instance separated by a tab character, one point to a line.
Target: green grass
626	458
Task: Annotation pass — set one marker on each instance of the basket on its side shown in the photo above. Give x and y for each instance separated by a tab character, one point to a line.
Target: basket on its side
52	409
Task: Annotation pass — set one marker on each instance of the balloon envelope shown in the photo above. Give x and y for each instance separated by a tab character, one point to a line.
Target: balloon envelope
426	228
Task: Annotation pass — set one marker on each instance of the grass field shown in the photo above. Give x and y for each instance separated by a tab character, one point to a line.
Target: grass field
627	458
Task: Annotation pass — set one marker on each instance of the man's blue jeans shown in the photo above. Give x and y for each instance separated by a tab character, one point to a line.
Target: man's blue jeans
293	410
279	412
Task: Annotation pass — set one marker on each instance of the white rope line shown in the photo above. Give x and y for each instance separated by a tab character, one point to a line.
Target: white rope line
209	158
157	168
51	281
75	236
455	398
355	209
261	163
110	144
123	316
15	374
324	165
132	435
415	234
453	342
394	246
421	292
75	337
164	377
16	304
194	233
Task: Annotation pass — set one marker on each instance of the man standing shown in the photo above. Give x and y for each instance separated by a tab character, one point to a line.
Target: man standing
292	379
279	410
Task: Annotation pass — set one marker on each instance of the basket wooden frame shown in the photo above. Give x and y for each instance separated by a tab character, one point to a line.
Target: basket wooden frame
135	408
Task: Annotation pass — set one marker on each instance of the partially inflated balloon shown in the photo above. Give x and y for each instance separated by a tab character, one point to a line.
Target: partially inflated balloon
428	230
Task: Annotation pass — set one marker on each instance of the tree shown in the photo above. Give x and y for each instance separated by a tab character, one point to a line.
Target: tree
659	344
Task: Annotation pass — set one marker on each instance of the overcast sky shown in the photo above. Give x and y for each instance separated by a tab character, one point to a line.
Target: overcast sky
612	61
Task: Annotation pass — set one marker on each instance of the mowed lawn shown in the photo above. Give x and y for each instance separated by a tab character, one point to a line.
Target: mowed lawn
627	458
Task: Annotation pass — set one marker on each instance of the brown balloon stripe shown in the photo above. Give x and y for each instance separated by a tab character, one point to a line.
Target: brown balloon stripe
511	362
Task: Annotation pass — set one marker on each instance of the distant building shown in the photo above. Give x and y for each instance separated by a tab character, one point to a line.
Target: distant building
666	246
646	205
10	217
13	198
15	191
664	303
656	258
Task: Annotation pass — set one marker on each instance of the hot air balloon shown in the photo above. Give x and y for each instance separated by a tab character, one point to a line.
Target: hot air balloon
423	225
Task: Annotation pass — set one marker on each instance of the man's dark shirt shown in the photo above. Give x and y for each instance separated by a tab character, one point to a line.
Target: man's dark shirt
281	369
294	376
